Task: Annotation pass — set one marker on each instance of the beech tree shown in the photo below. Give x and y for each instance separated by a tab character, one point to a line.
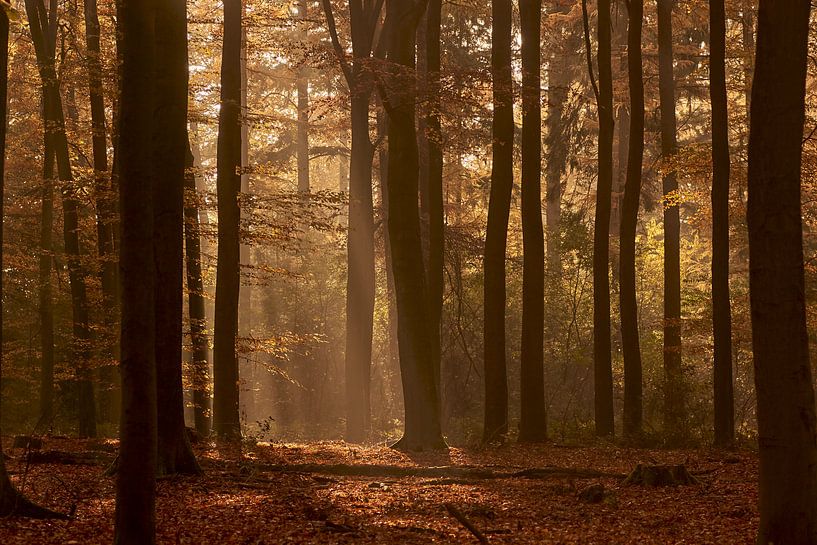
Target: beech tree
226	420
785	396
602	357
136	472
422	407
629	219
533	423
360	282
673	373
169	153
499	206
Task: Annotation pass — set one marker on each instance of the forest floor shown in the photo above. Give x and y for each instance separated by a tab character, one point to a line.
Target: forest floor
333	492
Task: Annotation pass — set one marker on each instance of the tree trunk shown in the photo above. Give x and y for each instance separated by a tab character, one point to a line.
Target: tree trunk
43	35
496	380
170	150
46	308
674	403
302	138
721	309
434	179
360	277
226	420
106	210
785	396
136	476
195	303
533	420
422	407
602	360
629	219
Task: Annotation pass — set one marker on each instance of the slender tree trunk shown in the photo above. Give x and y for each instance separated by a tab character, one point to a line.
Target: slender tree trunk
785	396
302	138
434	179
106	209
225	364
496	379
136	475
629	219
533	420
422	407
195	303
55	121
245	292
46	309
602	359
674	404
721	309
170	150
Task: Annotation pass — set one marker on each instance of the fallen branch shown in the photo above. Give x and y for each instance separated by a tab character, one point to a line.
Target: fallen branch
439	472
457	514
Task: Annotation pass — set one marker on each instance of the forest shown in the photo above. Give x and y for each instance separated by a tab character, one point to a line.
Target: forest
408	271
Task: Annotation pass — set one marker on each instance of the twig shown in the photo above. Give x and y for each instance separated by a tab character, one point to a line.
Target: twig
457	514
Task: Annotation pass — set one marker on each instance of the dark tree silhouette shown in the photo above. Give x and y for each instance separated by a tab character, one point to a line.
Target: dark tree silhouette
195	302
674	410
169	151
785	395
45	302
629	218
533	420
499	206
602	357
136	475
721	308
226	420
422	407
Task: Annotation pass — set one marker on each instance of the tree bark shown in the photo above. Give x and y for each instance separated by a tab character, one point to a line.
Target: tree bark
195	303
602	359
674	403
533	420
422	407
785	396
629	219
434	179
43	35
226	420
46	308
360	275
169	152
136	476
496	379
721	309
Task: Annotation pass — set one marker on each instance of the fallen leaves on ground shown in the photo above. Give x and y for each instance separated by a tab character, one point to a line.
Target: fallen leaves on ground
239	501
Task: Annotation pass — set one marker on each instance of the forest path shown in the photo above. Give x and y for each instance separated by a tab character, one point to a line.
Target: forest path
332	492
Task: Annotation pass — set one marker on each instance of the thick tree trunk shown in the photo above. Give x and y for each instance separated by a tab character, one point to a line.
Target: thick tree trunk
674	404
721	309
629	219
533	420
200	368
602	358
226	420
422	407
170	149
136	475
44	38
785	396
496	379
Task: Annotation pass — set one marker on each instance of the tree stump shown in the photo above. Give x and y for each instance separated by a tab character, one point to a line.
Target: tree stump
660	475
27	442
